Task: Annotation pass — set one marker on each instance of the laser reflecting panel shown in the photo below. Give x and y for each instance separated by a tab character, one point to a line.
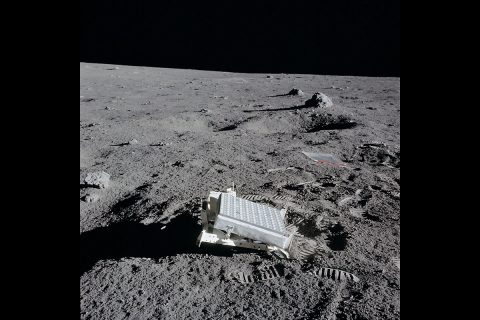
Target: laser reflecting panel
252	220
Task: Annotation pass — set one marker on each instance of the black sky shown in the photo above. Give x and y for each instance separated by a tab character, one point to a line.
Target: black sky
320	37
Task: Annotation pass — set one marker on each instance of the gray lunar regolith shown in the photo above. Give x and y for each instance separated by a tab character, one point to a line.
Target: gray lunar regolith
138	258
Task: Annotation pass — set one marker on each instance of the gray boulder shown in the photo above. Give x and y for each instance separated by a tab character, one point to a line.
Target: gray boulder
99	180
319	100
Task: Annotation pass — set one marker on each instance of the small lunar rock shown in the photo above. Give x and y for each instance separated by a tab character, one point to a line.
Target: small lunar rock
91	197
134	141
344	201
296	92
357	212
395	195
396	262
147	221
98	179
319	100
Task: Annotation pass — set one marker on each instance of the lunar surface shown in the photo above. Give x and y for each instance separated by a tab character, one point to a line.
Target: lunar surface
154	142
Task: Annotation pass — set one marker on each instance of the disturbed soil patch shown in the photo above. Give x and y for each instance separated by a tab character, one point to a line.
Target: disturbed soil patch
327	121
337	237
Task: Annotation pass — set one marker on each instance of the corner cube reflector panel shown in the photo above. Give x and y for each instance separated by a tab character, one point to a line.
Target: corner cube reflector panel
252	220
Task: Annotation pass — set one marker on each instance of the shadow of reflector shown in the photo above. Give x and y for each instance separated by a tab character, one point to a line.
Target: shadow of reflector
133	239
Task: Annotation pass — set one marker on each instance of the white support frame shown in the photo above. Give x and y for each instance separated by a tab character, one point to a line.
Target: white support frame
214	238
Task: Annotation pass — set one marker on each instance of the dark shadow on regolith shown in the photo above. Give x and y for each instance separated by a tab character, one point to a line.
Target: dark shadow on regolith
133	239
